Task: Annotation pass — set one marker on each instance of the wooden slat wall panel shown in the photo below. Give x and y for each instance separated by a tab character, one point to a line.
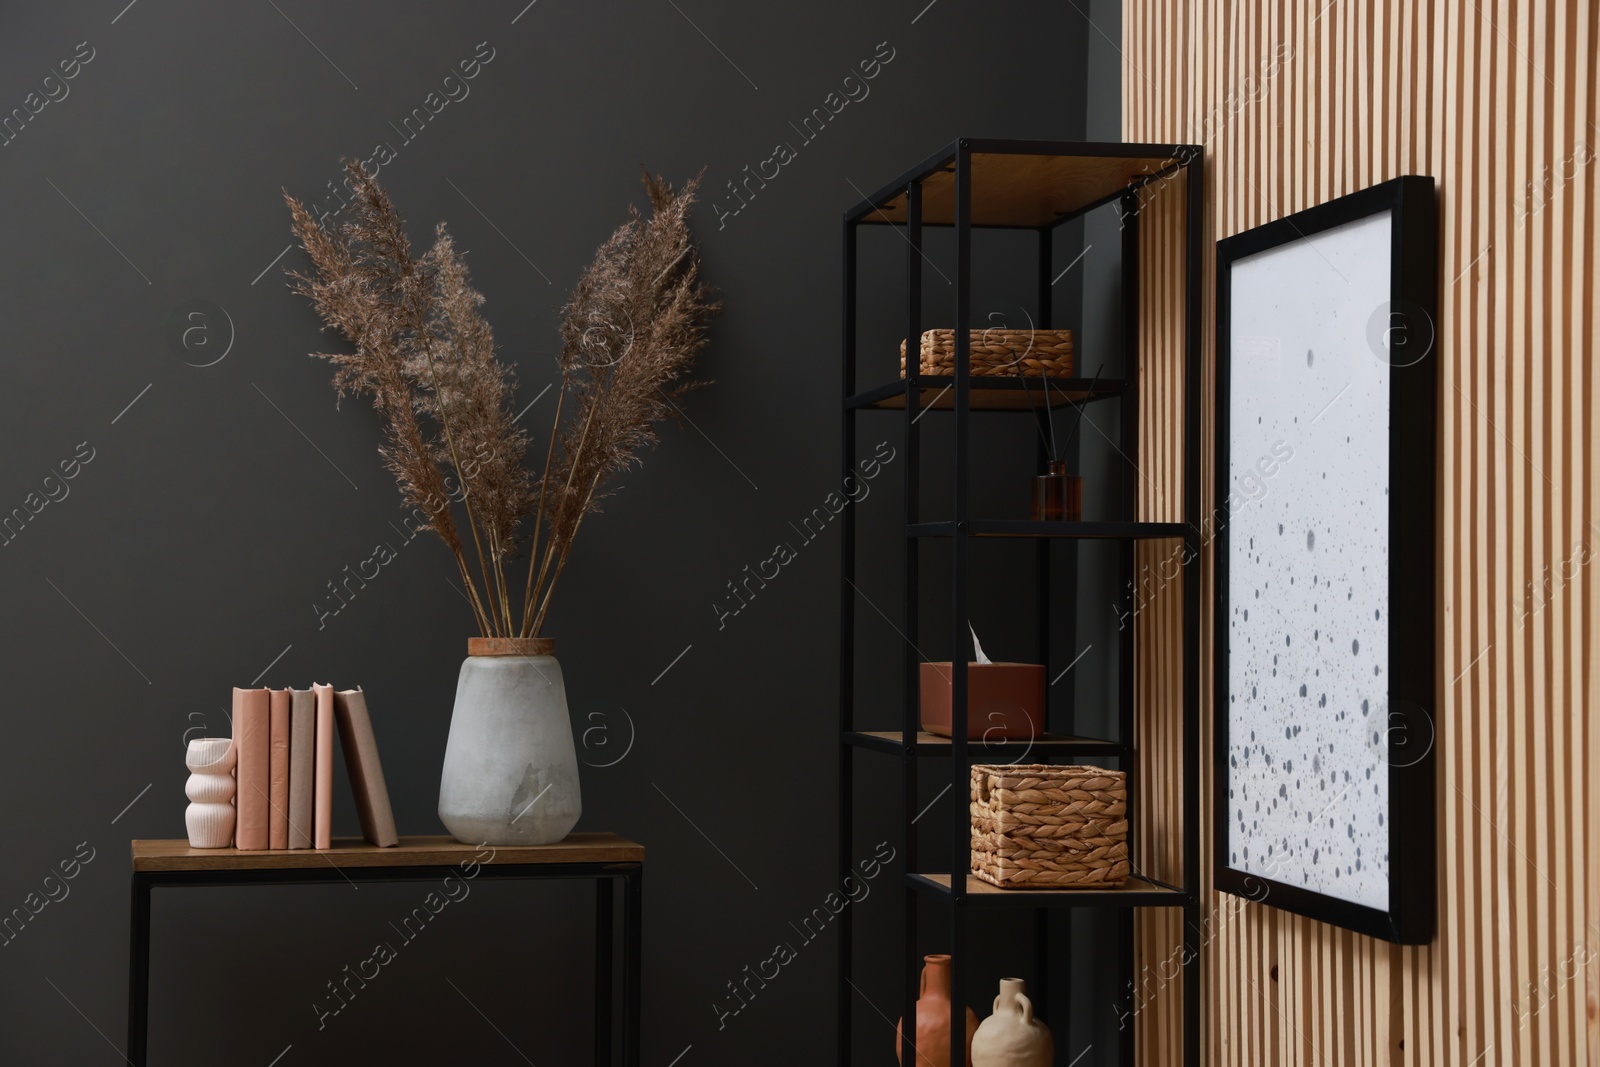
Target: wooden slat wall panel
1498	101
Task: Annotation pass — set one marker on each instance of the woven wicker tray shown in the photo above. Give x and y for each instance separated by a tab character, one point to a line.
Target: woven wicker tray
1042	826
1030	353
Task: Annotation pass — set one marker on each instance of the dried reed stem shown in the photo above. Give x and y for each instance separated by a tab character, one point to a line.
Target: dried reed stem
426	357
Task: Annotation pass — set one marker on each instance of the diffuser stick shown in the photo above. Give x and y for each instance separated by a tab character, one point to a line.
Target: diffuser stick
1092	383
1049	440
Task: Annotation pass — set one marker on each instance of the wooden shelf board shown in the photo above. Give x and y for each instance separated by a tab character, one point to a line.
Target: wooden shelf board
1112	531
986	397
1135	892
1022	190
891	740
428	851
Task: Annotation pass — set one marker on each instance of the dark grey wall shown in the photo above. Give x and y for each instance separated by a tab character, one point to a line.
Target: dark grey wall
1100	1017
210	505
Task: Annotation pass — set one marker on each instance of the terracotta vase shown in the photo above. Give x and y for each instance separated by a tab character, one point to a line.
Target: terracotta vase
1012	1037
933	1016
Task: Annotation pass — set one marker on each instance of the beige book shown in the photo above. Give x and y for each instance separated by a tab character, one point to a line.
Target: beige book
366	772
278	772
322	789
302	764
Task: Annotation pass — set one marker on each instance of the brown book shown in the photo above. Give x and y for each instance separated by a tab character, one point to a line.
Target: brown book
302	764
252	726
322	773
278	772
366	772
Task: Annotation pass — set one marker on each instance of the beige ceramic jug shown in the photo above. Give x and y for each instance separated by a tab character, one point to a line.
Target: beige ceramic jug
1012	1037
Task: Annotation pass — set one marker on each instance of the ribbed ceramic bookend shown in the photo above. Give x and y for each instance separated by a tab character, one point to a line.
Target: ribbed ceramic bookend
210	790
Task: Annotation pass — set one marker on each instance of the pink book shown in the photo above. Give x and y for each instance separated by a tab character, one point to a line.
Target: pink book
322	787
278	772
252	726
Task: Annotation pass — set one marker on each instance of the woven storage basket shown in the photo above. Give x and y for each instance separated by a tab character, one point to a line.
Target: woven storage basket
1040	826
1033	353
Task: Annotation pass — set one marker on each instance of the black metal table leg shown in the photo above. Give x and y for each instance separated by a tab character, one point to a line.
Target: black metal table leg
604	891
139	974
632	964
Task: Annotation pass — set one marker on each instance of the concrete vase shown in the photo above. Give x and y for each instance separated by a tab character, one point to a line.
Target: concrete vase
510	767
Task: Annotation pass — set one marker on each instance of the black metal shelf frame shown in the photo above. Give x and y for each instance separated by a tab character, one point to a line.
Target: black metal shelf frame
1185	172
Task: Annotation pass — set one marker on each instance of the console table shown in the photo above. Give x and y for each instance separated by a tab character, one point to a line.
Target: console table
605	858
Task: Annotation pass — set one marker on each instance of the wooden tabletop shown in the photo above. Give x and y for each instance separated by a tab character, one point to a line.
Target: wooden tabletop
427	851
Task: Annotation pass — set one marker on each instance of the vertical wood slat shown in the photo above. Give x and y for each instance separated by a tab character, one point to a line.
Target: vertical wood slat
1497	99
1586	754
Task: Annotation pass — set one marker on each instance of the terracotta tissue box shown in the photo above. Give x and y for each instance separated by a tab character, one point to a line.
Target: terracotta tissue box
1005	701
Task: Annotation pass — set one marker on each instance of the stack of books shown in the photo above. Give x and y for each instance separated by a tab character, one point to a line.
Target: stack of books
284	739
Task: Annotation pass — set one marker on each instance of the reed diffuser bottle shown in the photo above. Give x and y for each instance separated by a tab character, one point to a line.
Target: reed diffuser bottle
1057	495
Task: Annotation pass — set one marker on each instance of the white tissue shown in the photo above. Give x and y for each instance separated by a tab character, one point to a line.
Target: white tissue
977	648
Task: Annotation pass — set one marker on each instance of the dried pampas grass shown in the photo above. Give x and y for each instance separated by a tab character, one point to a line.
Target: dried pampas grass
629	335
426	358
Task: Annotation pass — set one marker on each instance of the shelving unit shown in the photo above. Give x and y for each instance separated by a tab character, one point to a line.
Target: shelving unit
974	185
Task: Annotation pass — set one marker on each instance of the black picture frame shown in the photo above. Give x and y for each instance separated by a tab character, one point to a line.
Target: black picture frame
1412	594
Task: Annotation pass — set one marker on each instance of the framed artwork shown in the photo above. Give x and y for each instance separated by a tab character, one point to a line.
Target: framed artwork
1325	591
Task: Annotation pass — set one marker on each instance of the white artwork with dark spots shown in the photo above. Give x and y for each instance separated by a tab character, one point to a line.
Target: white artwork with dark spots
1308	564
